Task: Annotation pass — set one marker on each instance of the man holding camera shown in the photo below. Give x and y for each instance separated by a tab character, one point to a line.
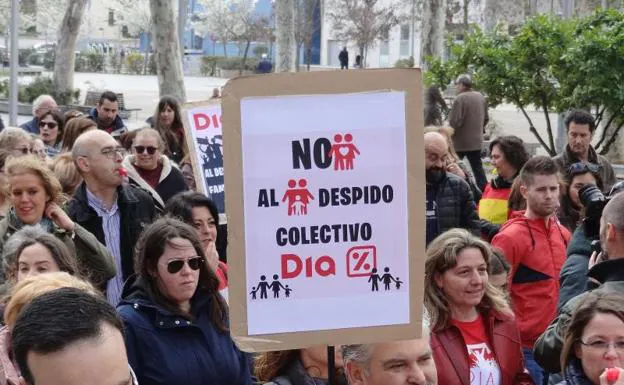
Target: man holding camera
606	268
580	126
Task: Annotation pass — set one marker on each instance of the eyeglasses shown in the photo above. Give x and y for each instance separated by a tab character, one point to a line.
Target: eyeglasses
52	125
141	149
111	152
581	167
176	265
24	150
604	345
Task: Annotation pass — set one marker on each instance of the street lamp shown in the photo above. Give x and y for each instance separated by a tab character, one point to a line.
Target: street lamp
13	90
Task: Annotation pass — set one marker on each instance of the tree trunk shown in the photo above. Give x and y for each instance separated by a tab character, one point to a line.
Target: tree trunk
167	50
225	48
466	5
285	31
244	61
65	51
308	55
432	35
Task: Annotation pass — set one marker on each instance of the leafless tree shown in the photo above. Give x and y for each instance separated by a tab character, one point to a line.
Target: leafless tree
66	48
167	49
363	21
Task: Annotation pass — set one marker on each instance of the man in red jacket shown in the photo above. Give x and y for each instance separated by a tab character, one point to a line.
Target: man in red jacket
534	243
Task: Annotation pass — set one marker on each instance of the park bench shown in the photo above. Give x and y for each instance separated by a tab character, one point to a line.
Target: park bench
93	97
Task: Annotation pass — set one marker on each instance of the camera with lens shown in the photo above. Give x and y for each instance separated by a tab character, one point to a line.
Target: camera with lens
594	202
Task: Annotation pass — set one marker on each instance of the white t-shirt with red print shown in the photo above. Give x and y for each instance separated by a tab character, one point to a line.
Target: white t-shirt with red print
484	369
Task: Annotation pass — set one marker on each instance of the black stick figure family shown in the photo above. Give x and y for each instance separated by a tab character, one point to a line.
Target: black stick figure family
275	286
386	278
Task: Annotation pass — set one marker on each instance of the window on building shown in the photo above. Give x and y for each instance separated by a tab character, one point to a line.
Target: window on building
405	32
111	17
404	48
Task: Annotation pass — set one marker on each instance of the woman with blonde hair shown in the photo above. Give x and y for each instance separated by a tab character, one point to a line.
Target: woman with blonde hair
65	170
36	197
21	295
474	331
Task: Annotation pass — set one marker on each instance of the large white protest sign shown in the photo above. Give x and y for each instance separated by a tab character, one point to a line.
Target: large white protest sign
326	208
325	199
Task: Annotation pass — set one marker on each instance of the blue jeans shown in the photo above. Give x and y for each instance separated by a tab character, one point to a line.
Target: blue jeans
539	376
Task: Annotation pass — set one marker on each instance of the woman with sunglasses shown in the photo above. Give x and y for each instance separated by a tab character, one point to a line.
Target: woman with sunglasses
15	141
199	211
36	198
176	323
578	175
150	169
51	131
593	347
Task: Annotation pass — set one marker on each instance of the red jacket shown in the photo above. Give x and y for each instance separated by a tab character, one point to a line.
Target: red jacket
451	355
536	252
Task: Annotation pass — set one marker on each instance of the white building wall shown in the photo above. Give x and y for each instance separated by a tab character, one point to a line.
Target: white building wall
378	55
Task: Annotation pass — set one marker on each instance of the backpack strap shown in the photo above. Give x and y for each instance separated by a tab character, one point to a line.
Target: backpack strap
281	380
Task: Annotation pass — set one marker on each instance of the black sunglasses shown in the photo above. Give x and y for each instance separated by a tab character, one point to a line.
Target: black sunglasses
141	149
581	167
24	150
52	125
177	265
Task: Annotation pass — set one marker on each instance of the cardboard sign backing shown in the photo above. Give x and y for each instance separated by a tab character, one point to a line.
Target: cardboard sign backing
407	81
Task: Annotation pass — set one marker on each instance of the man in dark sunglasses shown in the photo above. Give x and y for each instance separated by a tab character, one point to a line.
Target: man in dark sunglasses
580	126
53	345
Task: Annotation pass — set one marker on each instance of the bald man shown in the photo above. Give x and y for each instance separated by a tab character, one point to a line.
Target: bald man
450	203
114	212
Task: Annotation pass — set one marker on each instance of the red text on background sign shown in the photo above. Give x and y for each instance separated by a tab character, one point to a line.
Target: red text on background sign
203	121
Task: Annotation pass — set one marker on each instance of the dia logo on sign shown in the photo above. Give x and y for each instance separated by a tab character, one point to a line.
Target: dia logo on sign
342	153
361	261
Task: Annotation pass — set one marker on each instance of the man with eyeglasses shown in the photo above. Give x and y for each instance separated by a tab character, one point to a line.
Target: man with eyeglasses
113	211
449	200
71	337
608	272
41	104
580	126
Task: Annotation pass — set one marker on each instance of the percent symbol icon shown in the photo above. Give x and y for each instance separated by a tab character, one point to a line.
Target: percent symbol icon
361	260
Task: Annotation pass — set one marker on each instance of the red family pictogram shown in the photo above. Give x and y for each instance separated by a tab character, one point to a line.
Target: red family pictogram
343	153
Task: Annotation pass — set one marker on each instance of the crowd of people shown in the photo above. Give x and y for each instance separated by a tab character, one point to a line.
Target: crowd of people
115	269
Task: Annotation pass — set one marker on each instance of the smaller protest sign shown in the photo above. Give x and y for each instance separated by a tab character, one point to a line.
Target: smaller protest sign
204	136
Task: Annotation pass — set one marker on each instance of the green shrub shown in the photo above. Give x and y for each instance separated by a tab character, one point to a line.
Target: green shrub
209	65
114	63
405	63
134	63
235	63
95	62
44	85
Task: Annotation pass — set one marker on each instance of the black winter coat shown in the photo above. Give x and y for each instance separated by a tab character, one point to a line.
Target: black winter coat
455	205
573	276
137	211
